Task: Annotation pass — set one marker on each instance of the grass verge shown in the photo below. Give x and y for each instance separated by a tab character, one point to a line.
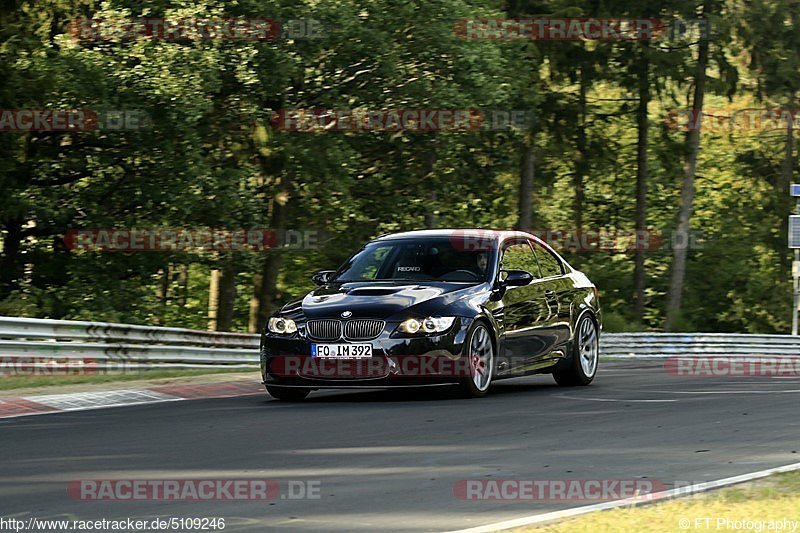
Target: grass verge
771	504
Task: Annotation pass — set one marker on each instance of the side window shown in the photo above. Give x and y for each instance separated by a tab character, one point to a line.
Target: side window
520	257
549	263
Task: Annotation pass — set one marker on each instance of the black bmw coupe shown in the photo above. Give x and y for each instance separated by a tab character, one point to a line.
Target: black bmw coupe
436	307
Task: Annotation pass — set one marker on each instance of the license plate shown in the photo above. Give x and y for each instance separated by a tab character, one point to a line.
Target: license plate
341	351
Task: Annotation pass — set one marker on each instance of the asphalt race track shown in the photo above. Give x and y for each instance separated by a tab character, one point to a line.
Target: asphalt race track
389	459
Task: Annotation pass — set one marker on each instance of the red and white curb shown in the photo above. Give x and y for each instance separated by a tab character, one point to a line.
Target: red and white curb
40	404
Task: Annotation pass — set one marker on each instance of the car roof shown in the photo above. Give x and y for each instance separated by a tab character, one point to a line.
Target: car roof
493	234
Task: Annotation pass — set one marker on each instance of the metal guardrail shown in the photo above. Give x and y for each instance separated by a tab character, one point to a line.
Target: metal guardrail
37	328
33	346
662	345
66	345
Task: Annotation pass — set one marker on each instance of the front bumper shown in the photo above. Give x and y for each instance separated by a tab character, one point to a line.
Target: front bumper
396	360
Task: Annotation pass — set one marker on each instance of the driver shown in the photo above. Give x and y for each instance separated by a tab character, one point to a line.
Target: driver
482	260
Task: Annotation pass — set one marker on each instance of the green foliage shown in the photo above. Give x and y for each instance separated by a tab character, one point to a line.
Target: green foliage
615	323
211	158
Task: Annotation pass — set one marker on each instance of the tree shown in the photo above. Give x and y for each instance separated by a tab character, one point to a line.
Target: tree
675	296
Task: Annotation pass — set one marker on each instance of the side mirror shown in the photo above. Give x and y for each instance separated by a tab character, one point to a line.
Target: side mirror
516	278
323	276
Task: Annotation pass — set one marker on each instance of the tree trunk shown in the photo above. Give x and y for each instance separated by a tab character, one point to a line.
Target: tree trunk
266	289
162	293
183	285
255	302
428	178
642	124
269	287
10	262
213	299
785	201
430	215
582	162
225	297
675	294
526	177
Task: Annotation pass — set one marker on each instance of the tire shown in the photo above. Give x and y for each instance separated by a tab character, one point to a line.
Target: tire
479	348
288	394
581	367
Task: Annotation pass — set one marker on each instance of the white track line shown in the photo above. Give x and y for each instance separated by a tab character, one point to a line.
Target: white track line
590	399
791	391
539	519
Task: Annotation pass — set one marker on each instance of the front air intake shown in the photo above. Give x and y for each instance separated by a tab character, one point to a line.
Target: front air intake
327	329
363	329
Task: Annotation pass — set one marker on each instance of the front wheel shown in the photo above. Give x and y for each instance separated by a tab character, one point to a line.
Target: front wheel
480	354
287	394
581	367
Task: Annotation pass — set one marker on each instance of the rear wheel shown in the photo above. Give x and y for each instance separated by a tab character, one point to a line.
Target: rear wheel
287	394
480	354
581	367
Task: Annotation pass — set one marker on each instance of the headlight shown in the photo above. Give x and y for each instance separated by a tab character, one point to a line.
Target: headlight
282	326
431	324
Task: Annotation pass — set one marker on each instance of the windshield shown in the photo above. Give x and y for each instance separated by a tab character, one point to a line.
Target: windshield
435	259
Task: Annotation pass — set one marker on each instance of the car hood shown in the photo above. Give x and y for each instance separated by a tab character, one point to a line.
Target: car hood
378	300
